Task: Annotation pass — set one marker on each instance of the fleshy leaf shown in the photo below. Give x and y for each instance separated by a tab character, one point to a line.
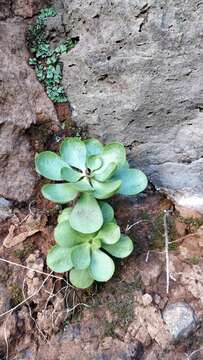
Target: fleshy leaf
81	256
93	146
73	151
82	185
106	172
109	233
64	215
122	169
49	165
59	259
81	278
59	193
94	162
86	216
107	211
133	181
96	244
114	152
66	236
70	175
104	190
102	266
121	249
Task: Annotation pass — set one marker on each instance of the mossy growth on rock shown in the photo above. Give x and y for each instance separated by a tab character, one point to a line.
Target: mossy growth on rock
16	294
23	253
45	59
157	235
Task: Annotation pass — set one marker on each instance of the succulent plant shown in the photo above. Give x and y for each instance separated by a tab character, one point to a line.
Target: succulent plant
86	173
87	170
83	254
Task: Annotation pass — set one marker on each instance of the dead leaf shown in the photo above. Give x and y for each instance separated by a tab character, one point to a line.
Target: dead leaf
20	232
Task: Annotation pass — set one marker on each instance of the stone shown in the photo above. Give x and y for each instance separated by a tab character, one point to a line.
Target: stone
4	299
147	325
180	320
5	9
136	76
10	330
4	203
146	299
23	102
27	8
5	210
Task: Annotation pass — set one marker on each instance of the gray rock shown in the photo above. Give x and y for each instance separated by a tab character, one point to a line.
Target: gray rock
4	299
136	76
4	203
23	102
180	320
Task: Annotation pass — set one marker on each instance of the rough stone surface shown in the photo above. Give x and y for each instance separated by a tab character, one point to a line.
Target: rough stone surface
27	8
180	319
4	299
23	102
136	75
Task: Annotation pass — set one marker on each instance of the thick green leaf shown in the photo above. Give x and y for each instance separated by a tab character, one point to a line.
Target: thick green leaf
59	193
81	256
114	152
102	266
86	216
70	175
104	190
73	151
93	146
66	236
122	169
133	182
95	244
59	259
109	233
107	211
80	278
106	172
121	249
82	185
94	163
64	215
49	165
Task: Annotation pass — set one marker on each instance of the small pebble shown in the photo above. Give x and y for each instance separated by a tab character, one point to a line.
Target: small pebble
146	299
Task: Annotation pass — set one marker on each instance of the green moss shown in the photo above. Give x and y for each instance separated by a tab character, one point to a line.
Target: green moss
157	236
4	275
27	250
122	304
16	294
193	260
194	223
109	328
145	215
123	309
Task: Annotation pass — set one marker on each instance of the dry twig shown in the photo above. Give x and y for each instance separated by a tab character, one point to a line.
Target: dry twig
190	356
166	237
37	271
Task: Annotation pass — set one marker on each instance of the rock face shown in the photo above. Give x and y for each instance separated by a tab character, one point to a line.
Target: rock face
23	102
136	76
